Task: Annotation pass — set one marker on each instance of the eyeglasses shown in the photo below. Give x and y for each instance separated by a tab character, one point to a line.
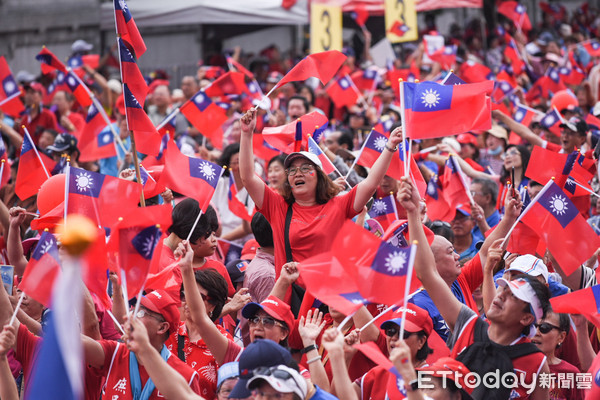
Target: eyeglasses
267	322
512	152
142	313
439	224
473	193
391	332
304	168
546	327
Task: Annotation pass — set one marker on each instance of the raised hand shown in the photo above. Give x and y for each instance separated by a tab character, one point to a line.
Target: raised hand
311	326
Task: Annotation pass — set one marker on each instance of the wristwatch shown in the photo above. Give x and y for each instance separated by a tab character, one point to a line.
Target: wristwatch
391	149
412	385
309	348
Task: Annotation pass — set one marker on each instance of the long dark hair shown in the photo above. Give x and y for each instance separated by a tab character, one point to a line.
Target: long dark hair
525	155
225	158
326	189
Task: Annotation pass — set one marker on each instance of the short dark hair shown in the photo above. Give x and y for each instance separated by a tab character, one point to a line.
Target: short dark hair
424	351
346	138
441	228
225	158
542	293
301	98
184	215
216	286
326	189
263	233
488	186
280	158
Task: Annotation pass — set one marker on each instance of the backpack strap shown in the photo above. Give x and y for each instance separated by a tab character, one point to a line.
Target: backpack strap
286	234
480	332
521	350
180	346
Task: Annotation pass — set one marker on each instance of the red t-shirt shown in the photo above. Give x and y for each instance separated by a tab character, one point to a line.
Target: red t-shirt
558	391
199	357
375	383
44	120
79	122
116	367
312	228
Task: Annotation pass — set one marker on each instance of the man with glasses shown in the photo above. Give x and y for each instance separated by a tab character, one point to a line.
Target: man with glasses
125	377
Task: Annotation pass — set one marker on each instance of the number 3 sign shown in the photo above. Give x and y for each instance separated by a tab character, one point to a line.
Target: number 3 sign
325	28
401	20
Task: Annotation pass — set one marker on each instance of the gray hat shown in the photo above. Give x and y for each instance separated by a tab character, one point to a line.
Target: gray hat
81	45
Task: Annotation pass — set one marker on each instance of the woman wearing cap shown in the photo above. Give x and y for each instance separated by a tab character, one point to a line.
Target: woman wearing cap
316	210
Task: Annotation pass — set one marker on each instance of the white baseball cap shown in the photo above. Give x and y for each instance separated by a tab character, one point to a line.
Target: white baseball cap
310	156
281	378
522	290
530	265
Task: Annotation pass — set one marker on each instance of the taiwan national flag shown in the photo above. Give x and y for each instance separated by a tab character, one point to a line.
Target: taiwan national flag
399	28
9	91
367	79
384	211
151	161
130	72
501	90
552	121
147	138
445	56
205	115
239	67
572	76
135	238
102	198
167	125
80	92
583	301
193	177
566	233
437	206
512	53
6	164
342	93
434	110
96	142
473	72
235	205
229	251
49	62
517	13
42	270
455	191
314	148
91	60
322	65
150	181
262	149
372	148
127	28
452	79
592	47
554	83
524	114
31	173
284	137
379	268
360	15
229	83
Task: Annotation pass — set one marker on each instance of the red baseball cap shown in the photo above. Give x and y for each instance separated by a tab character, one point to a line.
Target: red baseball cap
249	250
162	303
443	365
273	306
120	105
417	319
35	86
466	138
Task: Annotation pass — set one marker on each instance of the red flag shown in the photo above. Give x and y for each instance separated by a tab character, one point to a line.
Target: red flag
455	192
95	143
262	149
193	177
94	269
135	238
512	53
204	114
283	137
31	174
49	62
150	180
566	233
584	301
239	67
147	138
473	72
342	93
558	11
434	110
384	211
235	205
365	80
79	91
322	65
42	270
229	83
130	72
102	198
594	393
360	15
517	13
437	206
399	28
314	148
524	114
523	240
127	28
446	56
592	47
168	279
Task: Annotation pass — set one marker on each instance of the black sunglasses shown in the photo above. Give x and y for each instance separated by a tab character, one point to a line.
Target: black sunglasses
546	327
391	332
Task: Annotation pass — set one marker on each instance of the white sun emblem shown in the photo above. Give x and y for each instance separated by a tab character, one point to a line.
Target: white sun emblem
122	4
395	261
519	115
380	143
199	99
148	246
46	246
207	170
84	182
558	205
71	81
430	98
379	207
9	87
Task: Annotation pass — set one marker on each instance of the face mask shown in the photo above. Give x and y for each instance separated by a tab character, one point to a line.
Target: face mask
496	151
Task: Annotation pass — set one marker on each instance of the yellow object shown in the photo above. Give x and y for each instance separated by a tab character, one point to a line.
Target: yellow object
78	235
325	27
401	20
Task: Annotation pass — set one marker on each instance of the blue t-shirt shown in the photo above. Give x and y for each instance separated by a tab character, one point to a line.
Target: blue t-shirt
320	394
492	221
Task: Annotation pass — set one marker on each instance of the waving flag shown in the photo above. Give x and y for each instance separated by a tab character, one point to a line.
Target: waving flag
167	125
367	79
553	83
239	67
455	190
235	205
130	73
437	206
434	110
592	47
79	91
78	61
558	11
452	79
501	90
31	173
150	179
42	270
572	76
94	265
567	235
102	198
342	93
384	210
147	138
262	149
322	65
360	15
583	301
230	251
193	177
229	83
96	142
205	115
399	28
445	56
135	238
10	103
473	72
372	148
379	269
314	148
127	28
524	114
283	137
517	13
512	53
151	161
49	62
552	121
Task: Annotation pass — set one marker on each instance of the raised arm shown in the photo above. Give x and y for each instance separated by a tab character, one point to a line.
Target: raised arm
253	184
310	328
366	188
524	132
13	245
8	388
425	267
333	342
512	210
488	288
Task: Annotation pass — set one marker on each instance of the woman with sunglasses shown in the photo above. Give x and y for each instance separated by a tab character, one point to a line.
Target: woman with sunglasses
316	210
551	334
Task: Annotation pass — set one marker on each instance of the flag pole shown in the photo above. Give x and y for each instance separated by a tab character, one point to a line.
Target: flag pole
168	118
3	161
404	125
360	96
344	321
409	273
194	226
67	180
372	320
138	174
12	319
124	287
36	150
6	100
359	154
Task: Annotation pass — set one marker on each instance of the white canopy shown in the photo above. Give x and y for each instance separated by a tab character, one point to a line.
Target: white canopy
147	13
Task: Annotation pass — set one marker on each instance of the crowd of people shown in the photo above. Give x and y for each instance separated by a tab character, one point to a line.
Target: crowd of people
248	326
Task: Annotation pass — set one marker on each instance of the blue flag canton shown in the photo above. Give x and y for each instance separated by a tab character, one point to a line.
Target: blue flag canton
298	135
520	114
314	148
233	253
144	175
344	83
398	239
91	114
205	170
122	6
253	87
104	138
433	188
549	119
354	297
451	164
553	74
27	145
376	141
570	163
163	145
231	187
44	58
46	245
124	52
10	86
558	204
390	260
596	292
453	80
202	101
85	183
382	207
75	62
428	96
370	74
71	81
130	100
146	240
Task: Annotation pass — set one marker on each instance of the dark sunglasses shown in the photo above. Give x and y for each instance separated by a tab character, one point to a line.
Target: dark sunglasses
391	332
272	371
545	327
